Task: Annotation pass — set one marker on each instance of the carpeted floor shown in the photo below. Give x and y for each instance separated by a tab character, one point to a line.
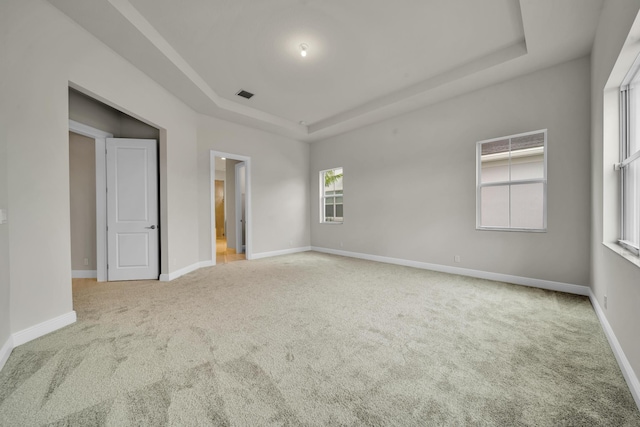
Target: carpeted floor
314	339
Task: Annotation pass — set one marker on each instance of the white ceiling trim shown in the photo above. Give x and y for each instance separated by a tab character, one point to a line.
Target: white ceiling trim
397	99
131	14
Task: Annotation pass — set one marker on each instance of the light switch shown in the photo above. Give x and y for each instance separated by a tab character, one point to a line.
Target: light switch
3	216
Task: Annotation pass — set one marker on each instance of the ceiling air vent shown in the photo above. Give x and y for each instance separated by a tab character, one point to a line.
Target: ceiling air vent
244	94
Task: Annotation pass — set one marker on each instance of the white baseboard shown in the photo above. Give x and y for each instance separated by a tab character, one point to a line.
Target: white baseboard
5	352
498	277
43	328
203	264
627	371
175	274
280	252
84	274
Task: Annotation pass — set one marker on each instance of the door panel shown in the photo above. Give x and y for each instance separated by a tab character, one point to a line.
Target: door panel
132	209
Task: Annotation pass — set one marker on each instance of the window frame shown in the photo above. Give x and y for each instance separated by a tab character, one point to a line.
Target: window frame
323	197
509	183
627	107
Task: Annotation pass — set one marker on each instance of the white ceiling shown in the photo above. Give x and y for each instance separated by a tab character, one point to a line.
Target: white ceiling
367	60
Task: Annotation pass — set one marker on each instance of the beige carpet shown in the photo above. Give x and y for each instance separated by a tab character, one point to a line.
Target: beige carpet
314	339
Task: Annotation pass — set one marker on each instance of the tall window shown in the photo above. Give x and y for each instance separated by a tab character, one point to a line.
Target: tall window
629	165
511	190
331	195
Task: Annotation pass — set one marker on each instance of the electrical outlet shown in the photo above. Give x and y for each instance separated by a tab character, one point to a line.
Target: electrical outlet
86	261
605	301
456	258
341	244
3	216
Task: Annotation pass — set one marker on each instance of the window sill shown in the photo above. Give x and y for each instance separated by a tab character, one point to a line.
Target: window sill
629	256
522	230
332	223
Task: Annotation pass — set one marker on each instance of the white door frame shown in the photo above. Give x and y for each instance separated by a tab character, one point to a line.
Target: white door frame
100	138
240	248
212	188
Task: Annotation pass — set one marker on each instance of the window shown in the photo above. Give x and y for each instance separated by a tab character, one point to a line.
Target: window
629	165
511	190
331	194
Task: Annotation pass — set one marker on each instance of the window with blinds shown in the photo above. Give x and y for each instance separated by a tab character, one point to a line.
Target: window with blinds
511	182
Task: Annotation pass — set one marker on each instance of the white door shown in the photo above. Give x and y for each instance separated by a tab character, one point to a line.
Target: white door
132	209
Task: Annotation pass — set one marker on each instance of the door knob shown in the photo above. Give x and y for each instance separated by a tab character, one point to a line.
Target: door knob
153	227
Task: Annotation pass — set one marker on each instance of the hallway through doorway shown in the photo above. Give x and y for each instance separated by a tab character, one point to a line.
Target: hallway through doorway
226	255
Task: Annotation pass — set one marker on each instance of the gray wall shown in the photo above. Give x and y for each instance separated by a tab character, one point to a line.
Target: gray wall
37	69
409	182
5	318
279	184
82	190
91	112
611	275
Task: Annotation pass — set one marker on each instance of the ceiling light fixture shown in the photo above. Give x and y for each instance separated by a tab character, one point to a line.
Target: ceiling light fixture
303	49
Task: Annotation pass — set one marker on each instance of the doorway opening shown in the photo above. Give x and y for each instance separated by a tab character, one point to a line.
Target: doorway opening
100	247
230	201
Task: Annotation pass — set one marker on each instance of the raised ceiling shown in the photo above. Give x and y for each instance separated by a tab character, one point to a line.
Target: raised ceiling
367	60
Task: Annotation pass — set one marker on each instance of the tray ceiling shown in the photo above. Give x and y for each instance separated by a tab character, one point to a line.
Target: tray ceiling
367	60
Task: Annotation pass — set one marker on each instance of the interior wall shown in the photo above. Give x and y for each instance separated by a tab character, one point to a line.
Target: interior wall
38	68
5	318
82	191
611	275
279	184
410	181
91	112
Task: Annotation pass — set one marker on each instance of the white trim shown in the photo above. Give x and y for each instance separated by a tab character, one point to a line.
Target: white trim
88	131
498	277
5	351
36	331
627	371
240	248
101	197
186	270
248	217
101	210
281	252
84	274
212	208
178	273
